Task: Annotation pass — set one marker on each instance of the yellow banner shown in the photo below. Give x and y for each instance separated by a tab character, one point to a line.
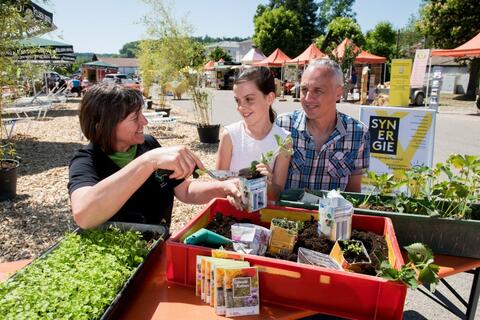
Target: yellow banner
400	82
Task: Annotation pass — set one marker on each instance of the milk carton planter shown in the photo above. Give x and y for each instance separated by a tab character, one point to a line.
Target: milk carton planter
88	274
298	285
350	255
283	236
254	193
443	235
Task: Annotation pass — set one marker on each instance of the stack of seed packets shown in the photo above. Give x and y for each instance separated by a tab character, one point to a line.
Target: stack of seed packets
211	283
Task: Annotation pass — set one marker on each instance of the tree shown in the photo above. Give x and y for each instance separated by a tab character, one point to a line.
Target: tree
306	12
219	53
15	25
171	52
409	39
381	40
450	23
129	49
339	29
331	9
277	28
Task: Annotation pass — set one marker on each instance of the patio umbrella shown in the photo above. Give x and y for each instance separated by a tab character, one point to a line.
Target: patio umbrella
45	51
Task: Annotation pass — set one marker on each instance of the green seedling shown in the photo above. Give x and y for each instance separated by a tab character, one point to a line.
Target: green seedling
420	269
289	225
284	147
77	280
353	247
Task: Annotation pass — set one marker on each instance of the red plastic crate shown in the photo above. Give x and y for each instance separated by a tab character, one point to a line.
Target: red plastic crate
297	285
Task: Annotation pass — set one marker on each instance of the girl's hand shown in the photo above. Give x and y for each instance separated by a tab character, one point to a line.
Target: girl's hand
265	170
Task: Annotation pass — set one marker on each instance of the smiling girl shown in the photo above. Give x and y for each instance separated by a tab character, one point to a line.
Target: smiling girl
245	141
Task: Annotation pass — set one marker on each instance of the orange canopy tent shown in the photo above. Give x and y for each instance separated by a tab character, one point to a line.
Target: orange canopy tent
276	59
210	65
471	48
311	53
361	58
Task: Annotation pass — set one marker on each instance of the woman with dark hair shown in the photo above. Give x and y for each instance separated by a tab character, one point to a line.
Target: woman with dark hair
245	141
114	176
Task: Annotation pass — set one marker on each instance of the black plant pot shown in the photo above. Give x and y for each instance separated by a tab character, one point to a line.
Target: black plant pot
149	104
8	179
208	133
166	110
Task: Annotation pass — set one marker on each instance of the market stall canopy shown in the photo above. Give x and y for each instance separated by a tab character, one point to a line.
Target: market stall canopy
210	65
254	55
471	48
362	57
311	53
99	65
45	50
276	59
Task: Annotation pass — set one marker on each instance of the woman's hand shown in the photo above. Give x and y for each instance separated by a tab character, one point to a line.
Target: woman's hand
179	159
233	193
265	170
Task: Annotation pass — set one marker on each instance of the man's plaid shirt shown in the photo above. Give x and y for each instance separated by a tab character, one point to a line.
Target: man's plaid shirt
346	152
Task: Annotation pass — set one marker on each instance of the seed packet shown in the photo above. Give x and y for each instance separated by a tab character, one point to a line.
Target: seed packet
315	258
217	295
242	295
250	238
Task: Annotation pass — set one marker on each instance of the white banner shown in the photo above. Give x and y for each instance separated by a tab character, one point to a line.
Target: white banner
419	68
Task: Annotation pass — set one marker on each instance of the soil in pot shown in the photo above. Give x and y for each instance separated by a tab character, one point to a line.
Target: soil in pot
352	257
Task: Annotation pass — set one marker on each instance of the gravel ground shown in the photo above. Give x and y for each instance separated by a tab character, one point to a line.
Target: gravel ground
40	214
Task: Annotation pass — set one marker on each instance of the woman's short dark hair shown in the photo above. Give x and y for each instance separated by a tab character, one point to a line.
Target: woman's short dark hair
102	108
264	81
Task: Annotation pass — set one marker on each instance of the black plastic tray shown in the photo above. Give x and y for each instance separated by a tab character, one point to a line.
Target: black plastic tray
114	310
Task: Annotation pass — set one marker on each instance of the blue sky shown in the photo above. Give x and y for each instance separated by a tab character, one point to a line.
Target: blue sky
103	26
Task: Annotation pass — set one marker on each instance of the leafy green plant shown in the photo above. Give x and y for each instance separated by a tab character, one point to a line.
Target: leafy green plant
77	280
420	269
7	152
447	190
284	147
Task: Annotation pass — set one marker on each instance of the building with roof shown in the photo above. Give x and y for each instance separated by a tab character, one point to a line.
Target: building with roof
236	49
125	65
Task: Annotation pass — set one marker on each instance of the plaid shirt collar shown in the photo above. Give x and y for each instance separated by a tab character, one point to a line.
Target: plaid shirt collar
339	131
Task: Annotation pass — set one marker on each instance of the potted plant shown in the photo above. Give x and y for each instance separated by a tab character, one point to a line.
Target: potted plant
351	255
9	163
283	235
202	101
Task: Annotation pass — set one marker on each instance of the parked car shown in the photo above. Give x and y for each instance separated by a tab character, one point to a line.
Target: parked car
122	79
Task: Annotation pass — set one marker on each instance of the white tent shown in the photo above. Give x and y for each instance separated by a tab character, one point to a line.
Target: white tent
254	55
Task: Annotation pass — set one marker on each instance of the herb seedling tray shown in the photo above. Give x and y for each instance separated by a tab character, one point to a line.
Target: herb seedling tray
297	285
442	235
114	309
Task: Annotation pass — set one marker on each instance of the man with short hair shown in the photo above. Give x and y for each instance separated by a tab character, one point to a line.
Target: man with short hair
331	149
